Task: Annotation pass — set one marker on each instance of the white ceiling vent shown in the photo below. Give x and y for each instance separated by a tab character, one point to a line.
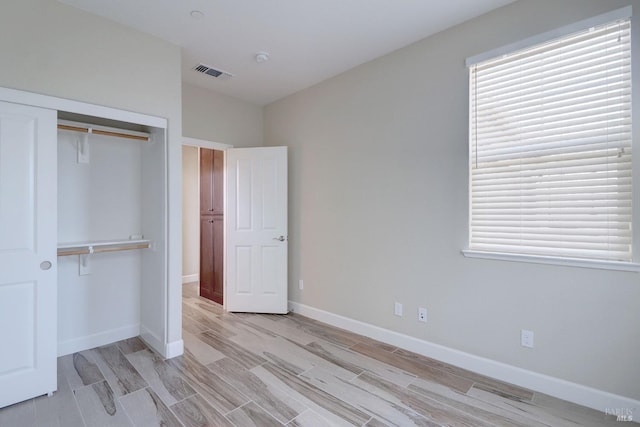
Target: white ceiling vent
210	71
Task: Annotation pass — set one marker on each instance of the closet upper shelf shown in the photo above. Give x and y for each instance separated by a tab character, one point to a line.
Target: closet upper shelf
97	246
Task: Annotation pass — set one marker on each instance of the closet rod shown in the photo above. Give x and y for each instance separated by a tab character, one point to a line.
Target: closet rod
84	248
102	132
94	250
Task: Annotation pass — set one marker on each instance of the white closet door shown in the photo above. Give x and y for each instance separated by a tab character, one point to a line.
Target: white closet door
28	223
256	217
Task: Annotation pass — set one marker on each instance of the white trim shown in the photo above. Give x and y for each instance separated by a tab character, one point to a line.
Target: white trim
562	389
61	104
168	350
224	233
622	13
96	340
190	278
193	142
568	262
174	349
152	340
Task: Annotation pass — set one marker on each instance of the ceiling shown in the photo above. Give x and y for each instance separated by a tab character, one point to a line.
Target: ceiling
307	41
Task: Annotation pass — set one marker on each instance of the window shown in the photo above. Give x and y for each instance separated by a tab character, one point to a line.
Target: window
550	148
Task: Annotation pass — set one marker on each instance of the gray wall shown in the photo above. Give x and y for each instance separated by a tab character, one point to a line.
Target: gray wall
213	116
53	49
190	213
378	213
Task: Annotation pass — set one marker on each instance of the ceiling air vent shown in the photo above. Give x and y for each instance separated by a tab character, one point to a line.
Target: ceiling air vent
205	69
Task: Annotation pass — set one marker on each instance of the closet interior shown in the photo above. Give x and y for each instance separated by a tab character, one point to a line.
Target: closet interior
112	223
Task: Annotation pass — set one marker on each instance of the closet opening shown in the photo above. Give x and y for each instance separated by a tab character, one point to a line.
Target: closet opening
111	232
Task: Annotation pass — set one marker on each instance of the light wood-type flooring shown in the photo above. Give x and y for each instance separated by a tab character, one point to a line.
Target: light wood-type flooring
271	370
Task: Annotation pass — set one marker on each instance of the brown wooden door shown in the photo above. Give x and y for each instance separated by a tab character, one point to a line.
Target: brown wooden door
211	182
211	224
211	249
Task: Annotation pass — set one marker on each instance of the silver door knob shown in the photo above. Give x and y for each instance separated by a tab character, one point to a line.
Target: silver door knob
280	239
45	265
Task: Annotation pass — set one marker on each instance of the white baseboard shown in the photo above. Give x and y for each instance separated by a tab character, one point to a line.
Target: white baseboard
167	350
190	278
174	349
152	340
96	340
75	345
566	390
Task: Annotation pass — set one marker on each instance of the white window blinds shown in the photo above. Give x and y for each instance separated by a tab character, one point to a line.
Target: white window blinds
550	148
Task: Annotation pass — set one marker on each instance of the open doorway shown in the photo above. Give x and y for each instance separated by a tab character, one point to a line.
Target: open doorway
254	225
203	218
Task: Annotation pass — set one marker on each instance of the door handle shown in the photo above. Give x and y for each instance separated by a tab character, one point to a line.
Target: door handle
210	221
280	239
45	265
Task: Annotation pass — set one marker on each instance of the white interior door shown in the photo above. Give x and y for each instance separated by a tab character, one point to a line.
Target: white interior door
256	217
28	224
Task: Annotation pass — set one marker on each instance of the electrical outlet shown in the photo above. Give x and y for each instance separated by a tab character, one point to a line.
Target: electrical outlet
526	338
300	284
398	309
422	314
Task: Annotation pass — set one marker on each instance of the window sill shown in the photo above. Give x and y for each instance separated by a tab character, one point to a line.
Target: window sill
570	262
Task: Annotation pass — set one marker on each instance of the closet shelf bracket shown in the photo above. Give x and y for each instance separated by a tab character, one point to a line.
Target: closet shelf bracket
83	147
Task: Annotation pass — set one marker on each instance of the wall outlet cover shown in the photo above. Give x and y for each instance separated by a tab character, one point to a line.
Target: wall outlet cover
398	309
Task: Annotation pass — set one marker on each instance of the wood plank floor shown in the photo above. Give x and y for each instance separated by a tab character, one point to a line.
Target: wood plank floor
269	370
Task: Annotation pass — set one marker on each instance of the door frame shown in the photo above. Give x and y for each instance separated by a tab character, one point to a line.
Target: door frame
212	145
